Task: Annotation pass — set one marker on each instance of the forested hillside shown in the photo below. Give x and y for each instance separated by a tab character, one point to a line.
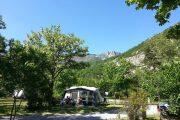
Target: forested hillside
162	42
153	65
160	49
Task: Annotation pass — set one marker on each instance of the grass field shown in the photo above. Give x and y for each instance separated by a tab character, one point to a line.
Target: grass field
6	105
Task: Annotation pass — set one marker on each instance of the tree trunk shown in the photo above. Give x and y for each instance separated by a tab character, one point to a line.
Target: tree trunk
50	94
143	115
16	109
12	109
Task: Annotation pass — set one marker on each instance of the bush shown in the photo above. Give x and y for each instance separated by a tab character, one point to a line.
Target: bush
136	105
175	104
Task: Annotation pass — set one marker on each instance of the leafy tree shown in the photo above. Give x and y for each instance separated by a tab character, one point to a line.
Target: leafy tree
173	32
91	75
35	82
60	50
2	45
2	39
137	102
2	23
12	71
111	76
170	90
67	79
2	53
151	57
163	84
163	7
117	77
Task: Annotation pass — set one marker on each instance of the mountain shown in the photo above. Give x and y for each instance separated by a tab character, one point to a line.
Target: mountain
156	65
158	50
95	57
162	47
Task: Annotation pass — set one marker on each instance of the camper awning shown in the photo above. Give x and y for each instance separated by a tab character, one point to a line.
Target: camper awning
83	88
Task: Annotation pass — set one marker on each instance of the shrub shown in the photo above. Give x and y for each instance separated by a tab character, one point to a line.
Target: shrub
136	105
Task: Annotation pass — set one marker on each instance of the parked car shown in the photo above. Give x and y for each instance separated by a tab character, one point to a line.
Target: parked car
163	108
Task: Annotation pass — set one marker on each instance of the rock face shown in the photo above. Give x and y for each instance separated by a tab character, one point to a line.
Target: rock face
87	58
94	57
137	60
108	54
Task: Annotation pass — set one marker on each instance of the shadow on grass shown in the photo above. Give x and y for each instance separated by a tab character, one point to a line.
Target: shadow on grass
6	105
78	109
4	109
62	113
60	117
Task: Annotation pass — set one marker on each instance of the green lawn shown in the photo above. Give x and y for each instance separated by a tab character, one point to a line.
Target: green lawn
6	105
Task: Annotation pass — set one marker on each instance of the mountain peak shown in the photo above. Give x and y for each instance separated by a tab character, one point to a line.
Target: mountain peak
96	57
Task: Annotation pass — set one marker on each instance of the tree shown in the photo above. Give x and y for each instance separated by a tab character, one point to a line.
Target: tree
2	53
2	45
152	59
173	32
117	78
137	102
2	39
66	79
12	71
163	83
60	50
163	7
91	75
2	23
35	82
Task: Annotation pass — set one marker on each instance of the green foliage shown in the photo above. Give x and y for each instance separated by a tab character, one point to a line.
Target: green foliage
113	77
2	23
66	79
137	102
163	7
173	32
159	49
39	65
35	82
162	54
91	75
59	50
2	53
158	74
151	57
163	83
174	101
11	69
44	66
2	45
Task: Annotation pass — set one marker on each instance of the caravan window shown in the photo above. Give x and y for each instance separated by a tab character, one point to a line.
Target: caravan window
74	95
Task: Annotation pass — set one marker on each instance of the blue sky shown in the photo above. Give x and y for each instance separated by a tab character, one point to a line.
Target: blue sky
104	25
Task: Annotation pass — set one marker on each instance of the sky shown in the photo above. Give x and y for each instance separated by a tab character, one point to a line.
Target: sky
104	25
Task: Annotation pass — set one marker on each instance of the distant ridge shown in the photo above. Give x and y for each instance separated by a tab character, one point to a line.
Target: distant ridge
97	57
